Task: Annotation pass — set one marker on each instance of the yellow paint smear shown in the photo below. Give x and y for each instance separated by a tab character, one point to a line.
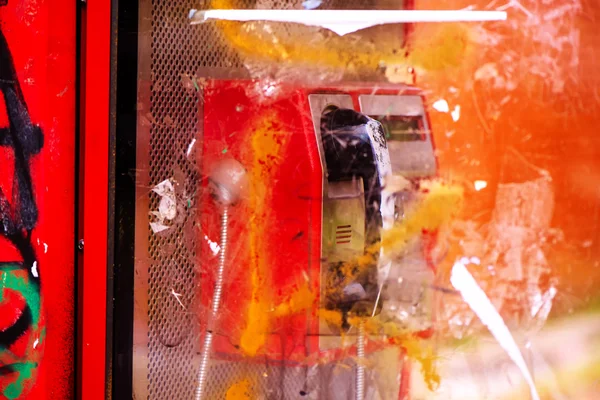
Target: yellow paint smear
423	353
434	47
439	204
416	349
333	317
266	142
241	390
300	299
255	334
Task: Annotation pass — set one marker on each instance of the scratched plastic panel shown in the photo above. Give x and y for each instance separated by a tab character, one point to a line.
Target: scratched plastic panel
181	54
482	275
174	60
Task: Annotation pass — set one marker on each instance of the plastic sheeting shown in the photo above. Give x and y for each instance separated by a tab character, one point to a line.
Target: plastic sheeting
419	216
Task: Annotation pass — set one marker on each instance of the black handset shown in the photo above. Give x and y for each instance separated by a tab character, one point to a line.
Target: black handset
355	153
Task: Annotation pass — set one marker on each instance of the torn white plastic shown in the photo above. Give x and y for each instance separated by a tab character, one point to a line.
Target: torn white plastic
158	227
214	246
164	188
480	185
34	270
384	169
167	207
168	204
455	114
441	106
343	22
481	305
311	4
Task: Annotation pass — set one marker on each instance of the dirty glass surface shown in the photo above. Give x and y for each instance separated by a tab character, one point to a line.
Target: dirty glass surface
408	211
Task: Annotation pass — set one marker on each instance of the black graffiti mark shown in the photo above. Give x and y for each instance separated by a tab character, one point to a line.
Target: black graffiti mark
298	235
9	336
19	216
26	140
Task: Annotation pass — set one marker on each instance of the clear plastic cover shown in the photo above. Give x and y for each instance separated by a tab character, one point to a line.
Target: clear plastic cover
403	211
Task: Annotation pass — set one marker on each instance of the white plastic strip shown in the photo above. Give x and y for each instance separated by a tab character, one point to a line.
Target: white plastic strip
475	297
343	22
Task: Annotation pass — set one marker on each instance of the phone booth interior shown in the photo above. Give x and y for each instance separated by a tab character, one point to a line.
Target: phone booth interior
315	158
315	201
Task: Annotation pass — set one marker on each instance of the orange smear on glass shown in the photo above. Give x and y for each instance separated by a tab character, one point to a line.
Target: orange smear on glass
434	47
333	317
439	205
266	143
301	299
416	348
239	391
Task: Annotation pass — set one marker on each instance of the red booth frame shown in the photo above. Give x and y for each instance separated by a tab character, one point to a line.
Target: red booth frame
97	123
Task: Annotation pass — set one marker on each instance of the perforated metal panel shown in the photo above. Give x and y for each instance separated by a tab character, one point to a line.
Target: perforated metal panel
171	54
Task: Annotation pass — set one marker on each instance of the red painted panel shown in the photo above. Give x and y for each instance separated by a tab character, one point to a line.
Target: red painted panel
95	206
37	140
285	232
282	240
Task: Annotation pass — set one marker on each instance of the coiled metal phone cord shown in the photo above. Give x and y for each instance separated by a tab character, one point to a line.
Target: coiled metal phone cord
360	366
216	300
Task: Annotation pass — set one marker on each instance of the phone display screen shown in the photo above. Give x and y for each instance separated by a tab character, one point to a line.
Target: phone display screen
399	128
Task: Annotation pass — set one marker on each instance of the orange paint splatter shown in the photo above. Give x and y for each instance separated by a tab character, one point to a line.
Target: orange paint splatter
416	348
266	143
436	47
299	300
241	390
439	204
423	353
254	335
333	317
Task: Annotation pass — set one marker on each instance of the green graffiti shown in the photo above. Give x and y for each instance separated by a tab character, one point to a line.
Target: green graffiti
10	267
28	291
42	336
24	372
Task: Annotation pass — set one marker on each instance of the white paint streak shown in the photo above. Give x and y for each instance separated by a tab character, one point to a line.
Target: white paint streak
481	305
34	269
214	247
343	22
190	147
480	185
177	296
455	114
441	106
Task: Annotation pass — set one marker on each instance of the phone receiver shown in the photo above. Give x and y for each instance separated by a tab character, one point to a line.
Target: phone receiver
355	207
